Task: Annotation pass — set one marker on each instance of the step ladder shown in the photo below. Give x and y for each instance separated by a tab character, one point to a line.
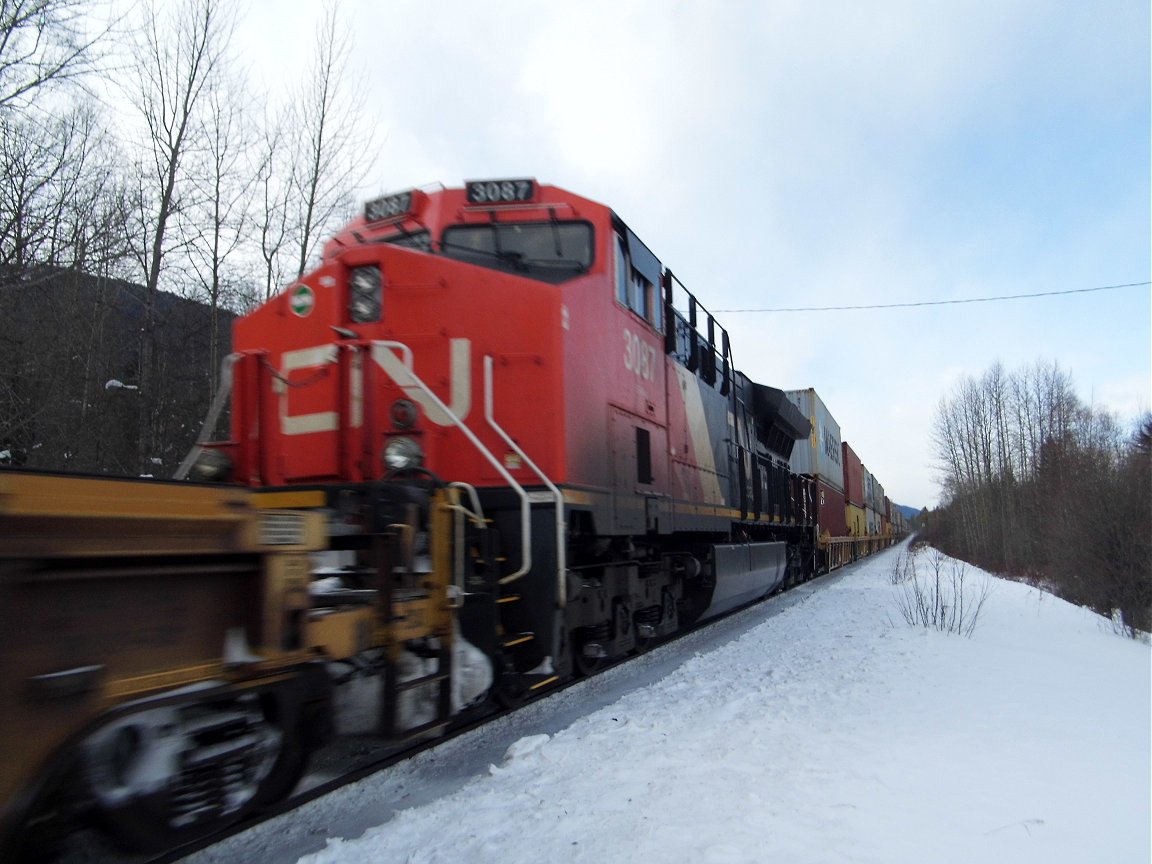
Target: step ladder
521	655
415	616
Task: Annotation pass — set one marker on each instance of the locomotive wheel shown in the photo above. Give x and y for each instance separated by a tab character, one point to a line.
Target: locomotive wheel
510	693
598	635
644	644
582	663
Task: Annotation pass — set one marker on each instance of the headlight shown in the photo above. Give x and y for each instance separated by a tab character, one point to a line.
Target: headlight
365	291
401	453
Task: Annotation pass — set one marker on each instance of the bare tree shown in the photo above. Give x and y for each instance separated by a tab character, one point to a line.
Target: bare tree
226	188
61	199
312	161
274	194
34	156
176	58
332	139
61	212
43	42
1041	485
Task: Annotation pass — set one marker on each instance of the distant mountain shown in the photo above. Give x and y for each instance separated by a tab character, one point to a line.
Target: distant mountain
909	512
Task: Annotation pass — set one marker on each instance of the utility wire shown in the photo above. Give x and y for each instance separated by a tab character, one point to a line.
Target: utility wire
938	302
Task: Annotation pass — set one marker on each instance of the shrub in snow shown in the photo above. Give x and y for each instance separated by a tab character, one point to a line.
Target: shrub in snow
938	593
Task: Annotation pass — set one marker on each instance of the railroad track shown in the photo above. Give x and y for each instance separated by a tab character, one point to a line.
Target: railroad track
450	759
447	762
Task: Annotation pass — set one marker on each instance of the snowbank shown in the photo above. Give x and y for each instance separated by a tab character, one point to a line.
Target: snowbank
832	732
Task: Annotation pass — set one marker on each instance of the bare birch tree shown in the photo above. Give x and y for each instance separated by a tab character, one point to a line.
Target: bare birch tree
176	59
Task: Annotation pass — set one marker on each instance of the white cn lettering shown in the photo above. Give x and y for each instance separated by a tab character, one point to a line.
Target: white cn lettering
460	360
302	424
460	357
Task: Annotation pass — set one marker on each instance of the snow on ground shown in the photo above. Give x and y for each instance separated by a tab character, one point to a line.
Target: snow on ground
831	732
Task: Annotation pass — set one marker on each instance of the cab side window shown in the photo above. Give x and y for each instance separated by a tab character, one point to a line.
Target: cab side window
634	289
642	299
623	268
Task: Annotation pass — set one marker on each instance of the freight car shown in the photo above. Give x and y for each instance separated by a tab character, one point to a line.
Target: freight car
519	446
148	680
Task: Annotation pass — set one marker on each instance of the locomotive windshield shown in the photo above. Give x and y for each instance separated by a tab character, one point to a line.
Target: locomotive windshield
411	239
549	251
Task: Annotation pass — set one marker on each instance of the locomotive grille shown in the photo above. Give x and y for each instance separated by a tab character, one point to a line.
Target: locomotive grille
282	529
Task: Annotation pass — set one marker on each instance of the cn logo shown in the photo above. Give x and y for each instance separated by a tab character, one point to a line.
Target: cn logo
460	362
435	410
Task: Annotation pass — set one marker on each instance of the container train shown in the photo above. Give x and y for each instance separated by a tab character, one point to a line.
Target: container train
517	444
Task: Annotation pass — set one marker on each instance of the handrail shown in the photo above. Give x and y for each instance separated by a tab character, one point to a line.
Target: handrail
525	516
704	355
476	514
561	551
223	391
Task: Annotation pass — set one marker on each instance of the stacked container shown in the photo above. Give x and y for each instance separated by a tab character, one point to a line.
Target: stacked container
871	517
821	458
853	492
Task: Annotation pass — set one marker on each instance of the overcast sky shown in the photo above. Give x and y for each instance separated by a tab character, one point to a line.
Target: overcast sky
798	153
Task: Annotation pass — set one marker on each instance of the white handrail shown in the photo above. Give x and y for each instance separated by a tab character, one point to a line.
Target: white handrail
223	390
476	514
525	505
561	551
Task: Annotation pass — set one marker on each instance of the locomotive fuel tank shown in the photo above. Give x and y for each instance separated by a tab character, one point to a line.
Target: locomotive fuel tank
743	573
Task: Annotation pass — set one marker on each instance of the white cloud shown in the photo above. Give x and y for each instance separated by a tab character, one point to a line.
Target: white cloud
797	153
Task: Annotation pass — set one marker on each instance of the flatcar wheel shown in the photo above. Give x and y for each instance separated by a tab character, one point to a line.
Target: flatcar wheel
52	815
164	777
285	774
144	829
148	826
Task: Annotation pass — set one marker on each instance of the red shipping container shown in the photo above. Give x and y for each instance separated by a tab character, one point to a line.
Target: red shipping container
830	513
853	477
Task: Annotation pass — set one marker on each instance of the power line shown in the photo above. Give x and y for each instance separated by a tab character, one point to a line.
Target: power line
939	302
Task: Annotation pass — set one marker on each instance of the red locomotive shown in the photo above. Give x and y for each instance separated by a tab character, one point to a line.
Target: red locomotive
521	342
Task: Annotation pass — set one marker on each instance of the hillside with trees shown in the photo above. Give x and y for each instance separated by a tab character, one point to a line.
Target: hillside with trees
1042	487
70	396
149	194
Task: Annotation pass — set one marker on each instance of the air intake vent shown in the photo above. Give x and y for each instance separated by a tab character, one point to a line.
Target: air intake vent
282	529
